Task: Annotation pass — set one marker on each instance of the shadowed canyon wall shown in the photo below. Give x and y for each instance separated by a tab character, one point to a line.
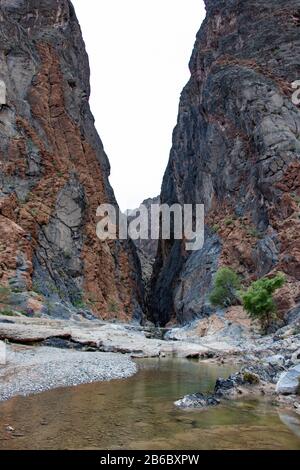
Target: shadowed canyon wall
236	148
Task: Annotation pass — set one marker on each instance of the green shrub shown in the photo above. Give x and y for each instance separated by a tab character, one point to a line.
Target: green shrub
67	254
113	306
229	222
5	293
7	313
254	233
36	288
216	228
251	378
258	300
226	288
79	303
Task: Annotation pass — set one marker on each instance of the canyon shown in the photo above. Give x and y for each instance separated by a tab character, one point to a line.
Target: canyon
236	150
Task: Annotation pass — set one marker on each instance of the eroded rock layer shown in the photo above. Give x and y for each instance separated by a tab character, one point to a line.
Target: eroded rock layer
54	171
236	148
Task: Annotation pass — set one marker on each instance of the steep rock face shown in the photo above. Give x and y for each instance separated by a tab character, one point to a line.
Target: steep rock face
146	247
236	148
53	169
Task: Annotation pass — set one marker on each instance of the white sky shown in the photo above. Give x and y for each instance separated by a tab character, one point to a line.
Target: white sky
139	52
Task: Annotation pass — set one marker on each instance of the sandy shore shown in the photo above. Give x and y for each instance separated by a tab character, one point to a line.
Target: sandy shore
91	351
31	370
88	352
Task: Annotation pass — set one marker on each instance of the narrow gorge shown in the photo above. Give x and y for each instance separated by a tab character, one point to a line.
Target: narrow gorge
78	314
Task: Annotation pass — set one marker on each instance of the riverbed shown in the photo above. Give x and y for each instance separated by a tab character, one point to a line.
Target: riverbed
138	413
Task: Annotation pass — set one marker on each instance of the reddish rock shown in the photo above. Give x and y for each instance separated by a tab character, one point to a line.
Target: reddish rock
55	171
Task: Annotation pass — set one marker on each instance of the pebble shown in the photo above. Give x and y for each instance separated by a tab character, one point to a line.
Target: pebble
9	429
40	369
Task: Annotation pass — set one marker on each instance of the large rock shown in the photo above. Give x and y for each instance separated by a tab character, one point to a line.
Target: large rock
276	359
230	328
197	400
146	248
289	382
54	171
296	357
149	246
105	337
236	150
236	384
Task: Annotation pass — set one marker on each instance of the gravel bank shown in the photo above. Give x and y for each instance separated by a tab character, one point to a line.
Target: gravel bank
31	370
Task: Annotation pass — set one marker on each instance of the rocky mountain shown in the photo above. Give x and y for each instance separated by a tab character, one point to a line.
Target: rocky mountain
54	172
236	149
146	248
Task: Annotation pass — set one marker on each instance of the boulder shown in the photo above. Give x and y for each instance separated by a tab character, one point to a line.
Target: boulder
197	400
275	360
296	357
288	383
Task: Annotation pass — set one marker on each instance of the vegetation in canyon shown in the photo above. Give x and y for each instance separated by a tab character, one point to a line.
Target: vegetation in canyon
257	300
235	149
226	288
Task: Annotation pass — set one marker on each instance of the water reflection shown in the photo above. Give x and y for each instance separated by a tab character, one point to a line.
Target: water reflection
291	421
139	413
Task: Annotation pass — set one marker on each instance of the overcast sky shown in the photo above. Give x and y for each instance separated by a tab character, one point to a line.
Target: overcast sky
139	52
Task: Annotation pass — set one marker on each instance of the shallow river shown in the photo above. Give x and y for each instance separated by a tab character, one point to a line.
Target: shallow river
138	413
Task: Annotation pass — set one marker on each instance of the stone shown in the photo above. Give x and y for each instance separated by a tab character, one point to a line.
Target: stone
277	359
242	382
223	385
146	248
249	377
197	400
288	383
104	337
296	357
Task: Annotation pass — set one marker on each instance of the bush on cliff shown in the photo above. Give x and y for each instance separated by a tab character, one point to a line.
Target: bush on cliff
258	300
226	288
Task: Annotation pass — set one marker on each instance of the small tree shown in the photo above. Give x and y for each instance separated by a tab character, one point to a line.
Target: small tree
226	288
258	300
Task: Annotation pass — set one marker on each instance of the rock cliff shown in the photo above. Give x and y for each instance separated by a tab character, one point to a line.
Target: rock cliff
54	171
236	148
146	248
